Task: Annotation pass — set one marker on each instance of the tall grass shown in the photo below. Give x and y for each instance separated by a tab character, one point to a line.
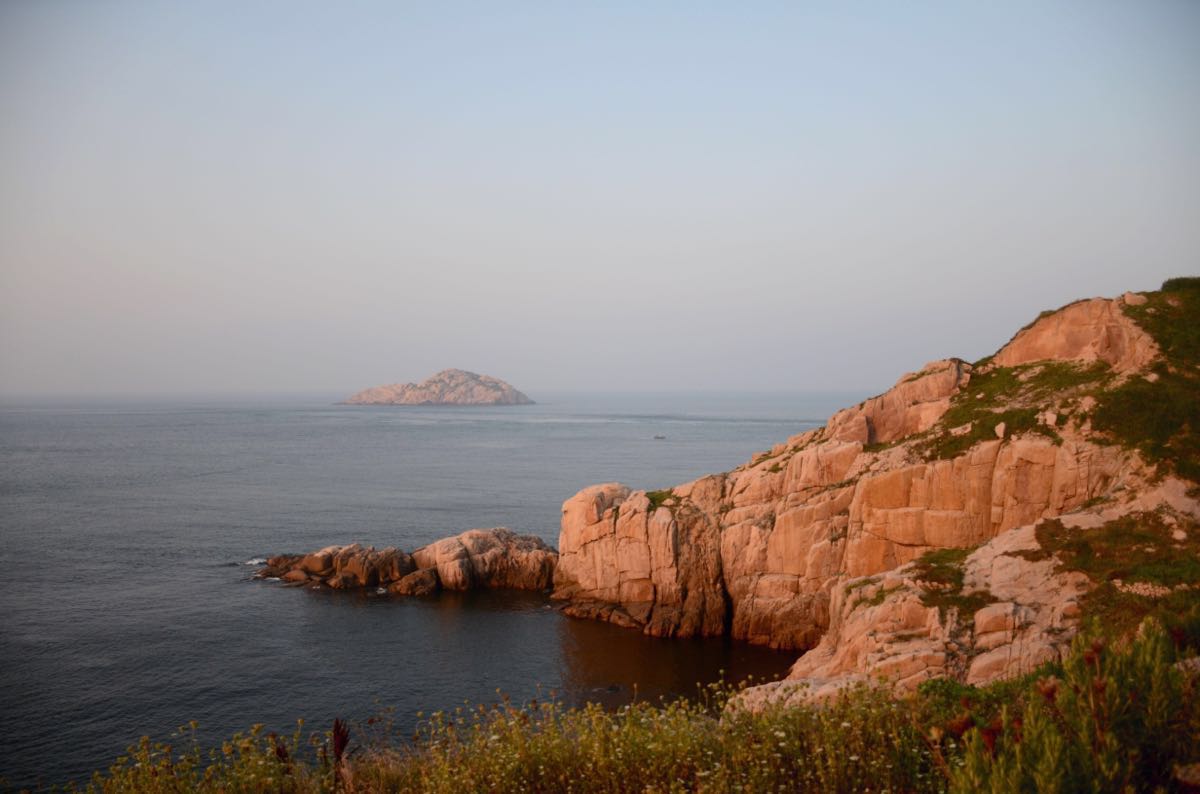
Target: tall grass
1107	719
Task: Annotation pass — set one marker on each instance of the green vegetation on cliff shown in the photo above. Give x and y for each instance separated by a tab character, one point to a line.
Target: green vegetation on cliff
1140	565
940	573
1158	415
1161	417
1012	395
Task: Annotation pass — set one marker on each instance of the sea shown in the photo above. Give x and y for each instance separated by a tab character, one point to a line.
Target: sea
130	532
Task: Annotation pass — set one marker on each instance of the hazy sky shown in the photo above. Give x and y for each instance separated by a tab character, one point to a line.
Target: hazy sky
274	196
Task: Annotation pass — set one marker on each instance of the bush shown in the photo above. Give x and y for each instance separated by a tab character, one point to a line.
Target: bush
1115	721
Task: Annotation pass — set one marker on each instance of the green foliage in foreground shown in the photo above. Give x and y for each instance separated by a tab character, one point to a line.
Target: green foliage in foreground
1107	719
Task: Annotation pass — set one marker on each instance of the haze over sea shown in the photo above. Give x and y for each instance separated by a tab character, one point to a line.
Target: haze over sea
129	529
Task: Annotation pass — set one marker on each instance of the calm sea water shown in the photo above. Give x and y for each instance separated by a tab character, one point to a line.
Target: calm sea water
127	607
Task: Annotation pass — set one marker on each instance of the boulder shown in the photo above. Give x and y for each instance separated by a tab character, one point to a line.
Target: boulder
418	583
319	563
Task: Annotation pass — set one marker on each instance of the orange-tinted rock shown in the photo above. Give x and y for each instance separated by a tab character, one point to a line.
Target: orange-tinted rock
1090	330
913	405
418	583
767	551
356	566
451	560
393	565
486	558
319	563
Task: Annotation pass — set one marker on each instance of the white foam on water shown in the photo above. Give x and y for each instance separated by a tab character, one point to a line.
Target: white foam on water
255	561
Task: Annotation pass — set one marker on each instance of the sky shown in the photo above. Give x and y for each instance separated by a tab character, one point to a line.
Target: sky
270	197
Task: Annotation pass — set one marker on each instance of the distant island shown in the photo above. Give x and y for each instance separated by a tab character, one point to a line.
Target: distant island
448	387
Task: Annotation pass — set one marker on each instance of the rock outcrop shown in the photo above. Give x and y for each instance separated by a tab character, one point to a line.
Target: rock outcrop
814	544
1089	330
476	559
448	387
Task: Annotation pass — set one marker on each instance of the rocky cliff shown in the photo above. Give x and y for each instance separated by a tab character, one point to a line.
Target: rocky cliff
908	537
448	387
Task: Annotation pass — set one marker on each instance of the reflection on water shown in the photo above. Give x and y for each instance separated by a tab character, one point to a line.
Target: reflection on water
589	661
603	663
612	665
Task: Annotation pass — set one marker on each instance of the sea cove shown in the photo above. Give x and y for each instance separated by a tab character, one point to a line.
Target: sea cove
140	613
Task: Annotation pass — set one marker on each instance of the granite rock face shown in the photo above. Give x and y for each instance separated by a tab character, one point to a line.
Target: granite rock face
448	387
476	559
1089	330
810	545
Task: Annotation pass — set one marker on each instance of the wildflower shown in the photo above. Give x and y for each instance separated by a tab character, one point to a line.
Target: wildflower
1048	688
960	725
341	737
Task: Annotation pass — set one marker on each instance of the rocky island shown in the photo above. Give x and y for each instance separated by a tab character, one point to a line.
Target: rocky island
960	525
448	387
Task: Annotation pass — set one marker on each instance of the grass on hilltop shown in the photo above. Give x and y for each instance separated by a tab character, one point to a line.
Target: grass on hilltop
1159	416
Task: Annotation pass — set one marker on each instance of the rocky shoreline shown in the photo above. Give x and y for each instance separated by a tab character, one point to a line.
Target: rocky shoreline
476	559
905	540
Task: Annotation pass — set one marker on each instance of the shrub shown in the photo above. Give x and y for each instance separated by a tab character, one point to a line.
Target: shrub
1116	721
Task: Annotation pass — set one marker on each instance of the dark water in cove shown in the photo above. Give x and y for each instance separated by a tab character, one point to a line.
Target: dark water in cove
127	607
